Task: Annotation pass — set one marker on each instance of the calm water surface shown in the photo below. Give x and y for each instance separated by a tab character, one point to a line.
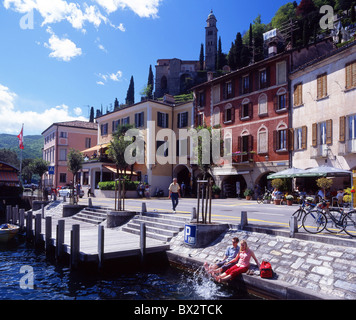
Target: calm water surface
53	282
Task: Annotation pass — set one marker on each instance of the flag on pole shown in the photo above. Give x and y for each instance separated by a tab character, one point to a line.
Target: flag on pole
20	136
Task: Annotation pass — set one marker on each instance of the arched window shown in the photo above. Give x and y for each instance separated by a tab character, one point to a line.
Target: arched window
262	140
262	104
216	116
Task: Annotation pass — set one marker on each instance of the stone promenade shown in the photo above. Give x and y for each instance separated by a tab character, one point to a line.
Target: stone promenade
316	270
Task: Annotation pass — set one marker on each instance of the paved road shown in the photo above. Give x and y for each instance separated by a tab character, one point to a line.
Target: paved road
223	210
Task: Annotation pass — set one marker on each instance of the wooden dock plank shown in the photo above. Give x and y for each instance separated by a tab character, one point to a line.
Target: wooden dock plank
117	243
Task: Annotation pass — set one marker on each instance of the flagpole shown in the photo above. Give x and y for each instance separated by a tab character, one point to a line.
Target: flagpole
21	150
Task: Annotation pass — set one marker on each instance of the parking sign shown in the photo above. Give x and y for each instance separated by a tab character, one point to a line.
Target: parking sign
190	234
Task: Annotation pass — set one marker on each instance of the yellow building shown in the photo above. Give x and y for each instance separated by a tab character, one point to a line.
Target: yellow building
158	124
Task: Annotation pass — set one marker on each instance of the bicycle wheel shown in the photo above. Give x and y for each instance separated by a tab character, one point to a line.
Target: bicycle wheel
260	199
335	221
299	214
314	221
349	222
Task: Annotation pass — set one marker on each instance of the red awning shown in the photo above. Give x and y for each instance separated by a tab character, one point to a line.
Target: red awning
8	176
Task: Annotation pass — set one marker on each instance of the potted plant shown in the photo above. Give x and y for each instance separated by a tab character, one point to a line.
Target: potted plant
324	183
277	196
289	199
248	194
216	191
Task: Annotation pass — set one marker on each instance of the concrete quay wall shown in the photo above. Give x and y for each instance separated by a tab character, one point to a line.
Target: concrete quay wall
303	269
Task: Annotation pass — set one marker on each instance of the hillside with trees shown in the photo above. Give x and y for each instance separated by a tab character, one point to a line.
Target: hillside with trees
33	145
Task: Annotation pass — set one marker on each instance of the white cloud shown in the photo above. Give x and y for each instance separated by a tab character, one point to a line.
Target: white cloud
143	8
34	122
109	76
53	11
62	49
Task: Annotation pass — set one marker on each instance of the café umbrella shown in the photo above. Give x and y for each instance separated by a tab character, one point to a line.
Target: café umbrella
288	173
324	171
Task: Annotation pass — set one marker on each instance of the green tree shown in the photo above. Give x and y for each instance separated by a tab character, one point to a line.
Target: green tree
150	83
117	147
91	117
74	164
283	16
130	96
40	167
201	58
116	105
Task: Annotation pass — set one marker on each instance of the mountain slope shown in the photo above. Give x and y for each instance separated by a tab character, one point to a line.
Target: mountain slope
33	145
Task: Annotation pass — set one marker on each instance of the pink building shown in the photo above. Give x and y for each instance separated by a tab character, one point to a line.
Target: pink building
59	138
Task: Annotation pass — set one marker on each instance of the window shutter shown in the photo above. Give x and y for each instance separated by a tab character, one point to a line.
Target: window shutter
304	137
348	76
290	139
250	82
314	134
239	143
268	76
275	140
224	91
353	73
240	111
275	102
232	114
287	100
342	122
250	143
329	131
319	87
250	110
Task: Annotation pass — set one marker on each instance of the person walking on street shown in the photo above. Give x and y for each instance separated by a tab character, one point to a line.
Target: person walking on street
174	194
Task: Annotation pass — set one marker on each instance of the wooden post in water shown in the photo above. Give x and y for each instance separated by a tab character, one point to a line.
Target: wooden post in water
8	213
74	246
100	247
143	241
22	219
60	239
48	231
29	233
14	214
38	227
42	210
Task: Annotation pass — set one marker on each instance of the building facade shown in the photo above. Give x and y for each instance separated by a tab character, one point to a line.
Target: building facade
251	107
324	112
59	138
158	124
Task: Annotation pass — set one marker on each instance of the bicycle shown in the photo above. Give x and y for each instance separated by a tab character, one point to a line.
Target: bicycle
349	223
315	220
305	207
266	196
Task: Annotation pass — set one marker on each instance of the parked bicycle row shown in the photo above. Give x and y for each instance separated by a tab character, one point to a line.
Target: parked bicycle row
315	218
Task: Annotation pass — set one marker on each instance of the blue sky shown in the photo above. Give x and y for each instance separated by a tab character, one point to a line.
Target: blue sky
58	57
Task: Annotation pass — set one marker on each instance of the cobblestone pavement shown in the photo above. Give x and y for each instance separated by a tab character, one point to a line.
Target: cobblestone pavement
325	269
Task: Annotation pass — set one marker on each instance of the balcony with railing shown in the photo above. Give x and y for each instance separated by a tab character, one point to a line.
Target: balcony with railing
243	157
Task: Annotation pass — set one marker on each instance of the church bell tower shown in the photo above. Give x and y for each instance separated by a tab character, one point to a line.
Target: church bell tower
211	42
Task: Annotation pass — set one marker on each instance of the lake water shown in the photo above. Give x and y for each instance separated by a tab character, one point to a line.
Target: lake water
50	281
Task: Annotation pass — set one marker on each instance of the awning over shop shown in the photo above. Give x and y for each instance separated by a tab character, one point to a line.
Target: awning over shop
113	169
8	176
96	148
227	171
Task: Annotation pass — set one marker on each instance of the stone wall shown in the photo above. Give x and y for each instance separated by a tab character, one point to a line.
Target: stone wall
314	269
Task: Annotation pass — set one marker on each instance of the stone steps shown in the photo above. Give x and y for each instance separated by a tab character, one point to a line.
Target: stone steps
92	215
158	226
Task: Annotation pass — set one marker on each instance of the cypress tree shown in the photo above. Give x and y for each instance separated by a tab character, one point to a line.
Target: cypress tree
116	104
91	117
130	96
201	57
150	84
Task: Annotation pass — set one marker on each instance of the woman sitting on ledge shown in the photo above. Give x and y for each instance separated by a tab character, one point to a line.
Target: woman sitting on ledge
241	266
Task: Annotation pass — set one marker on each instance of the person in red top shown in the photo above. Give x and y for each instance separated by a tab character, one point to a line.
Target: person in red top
242	265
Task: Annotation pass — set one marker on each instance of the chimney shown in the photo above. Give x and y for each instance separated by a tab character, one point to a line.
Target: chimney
210	76
167	98
272	49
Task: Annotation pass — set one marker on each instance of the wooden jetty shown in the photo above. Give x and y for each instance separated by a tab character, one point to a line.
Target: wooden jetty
83	241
